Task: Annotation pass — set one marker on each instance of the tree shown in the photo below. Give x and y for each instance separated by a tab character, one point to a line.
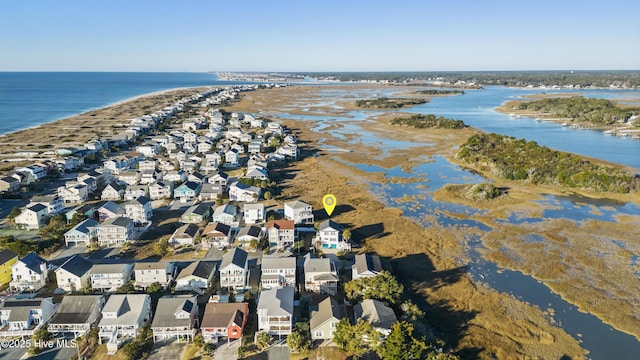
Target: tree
198	340
267	195
357	339
253	244
155	291
14	213
346	235
383	286
297	342
263	340
161	247
401	344
42	334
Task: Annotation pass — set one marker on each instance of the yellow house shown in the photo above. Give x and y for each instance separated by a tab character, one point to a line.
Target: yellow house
7	259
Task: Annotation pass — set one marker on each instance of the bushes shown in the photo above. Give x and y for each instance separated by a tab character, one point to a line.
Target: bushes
578	108
428	121
388	103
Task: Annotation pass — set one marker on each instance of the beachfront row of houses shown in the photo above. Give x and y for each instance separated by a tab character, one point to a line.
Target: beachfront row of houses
120	317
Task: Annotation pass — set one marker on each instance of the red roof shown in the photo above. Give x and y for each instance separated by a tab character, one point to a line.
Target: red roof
281	224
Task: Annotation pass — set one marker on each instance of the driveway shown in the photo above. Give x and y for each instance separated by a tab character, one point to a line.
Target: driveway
225	350
167	350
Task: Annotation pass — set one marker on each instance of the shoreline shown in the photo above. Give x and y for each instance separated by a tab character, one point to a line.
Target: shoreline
116	103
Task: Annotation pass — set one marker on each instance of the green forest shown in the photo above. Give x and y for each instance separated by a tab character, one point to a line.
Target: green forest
420	121
518	159
578	108
388	103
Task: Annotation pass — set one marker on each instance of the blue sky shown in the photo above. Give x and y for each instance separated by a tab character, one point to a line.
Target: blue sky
302	35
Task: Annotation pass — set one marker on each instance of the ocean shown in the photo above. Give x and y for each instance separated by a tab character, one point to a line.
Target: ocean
28	99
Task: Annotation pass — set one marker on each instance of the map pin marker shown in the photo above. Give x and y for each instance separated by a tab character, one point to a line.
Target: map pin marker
329	203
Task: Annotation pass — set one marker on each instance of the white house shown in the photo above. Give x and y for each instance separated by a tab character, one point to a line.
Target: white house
254	213
320	275
113	191
275	310
244	193
21	317
53	203
161	190
73	193
366	265
147	273
73	274
282	233
139	210
29	274
175	317
123	316
196	277
246	234
234	270
108	277
33	217
329	236
298	211
226	214
116	231
216	234
185	235
278	272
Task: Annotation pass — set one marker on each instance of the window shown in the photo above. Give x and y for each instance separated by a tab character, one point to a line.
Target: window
318	334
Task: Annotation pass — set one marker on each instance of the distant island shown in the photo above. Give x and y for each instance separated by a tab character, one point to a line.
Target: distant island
420	121
388	103
439	92
578	109
518	159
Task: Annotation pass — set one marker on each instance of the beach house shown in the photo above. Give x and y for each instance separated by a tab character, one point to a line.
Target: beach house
278	272
282	233
320	275
139	210
161	190
147	273
329	236
175	317
196	214
254	213
33	217
187	191
31	273
216	234
244	193
379	315
275	311
123	316
366	265
84	232
324	321
298	211
21	317
234	270
76	315
226	214
109	277
224	320
196	277
73	274
116	231
185	235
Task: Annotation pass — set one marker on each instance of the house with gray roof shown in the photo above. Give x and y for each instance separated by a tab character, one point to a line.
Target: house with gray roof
254	213
366	265
234	270
147	273
175	317
21	317
76	314
323	322
139	209
84	232
110	210
298	211
329	236
278	272
196	214
248	233
216	234
275	310
108	277
197	276
185	235
114	191
320	275
226	214
29	274
73	274
116	231
244	193
379	315
123	316
33	217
